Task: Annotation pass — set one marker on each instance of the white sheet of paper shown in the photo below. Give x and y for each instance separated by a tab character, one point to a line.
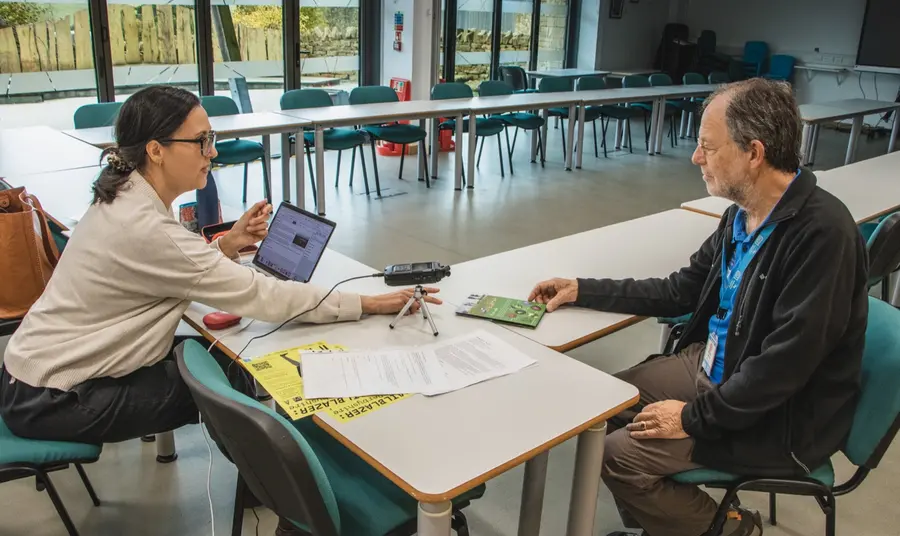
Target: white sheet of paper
433	369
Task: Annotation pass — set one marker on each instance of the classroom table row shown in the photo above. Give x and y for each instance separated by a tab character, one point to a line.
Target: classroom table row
288	122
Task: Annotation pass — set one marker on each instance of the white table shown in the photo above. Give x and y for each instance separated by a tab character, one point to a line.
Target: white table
234	126
566	73
813	115
41	149
869	189
385	112
440	447
652	246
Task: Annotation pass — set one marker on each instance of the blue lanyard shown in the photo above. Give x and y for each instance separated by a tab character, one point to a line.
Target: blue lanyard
731	275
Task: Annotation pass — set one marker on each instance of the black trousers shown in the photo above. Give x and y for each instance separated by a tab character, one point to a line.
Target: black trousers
148	401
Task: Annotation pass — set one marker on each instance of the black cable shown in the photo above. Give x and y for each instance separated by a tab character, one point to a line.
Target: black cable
859	78
238	355
257	520
875	82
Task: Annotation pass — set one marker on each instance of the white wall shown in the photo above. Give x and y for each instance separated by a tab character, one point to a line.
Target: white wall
797	28
631	42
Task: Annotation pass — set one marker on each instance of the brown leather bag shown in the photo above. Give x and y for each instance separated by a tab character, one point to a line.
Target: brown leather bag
28	253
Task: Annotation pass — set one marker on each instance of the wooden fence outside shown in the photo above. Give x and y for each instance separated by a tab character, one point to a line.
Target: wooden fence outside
150	34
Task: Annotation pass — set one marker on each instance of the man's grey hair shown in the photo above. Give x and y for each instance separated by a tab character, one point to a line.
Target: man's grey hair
763	110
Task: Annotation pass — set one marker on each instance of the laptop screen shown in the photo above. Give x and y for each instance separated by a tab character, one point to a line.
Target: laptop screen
295	244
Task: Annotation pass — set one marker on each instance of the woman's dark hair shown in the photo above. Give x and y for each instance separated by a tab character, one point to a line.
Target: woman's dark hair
152	113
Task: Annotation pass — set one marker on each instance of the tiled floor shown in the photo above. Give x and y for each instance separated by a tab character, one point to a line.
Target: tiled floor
142	497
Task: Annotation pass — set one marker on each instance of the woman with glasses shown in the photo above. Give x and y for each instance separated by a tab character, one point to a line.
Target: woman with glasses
89	361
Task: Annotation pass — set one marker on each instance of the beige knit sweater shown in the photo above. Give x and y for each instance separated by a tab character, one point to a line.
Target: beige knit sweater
128	274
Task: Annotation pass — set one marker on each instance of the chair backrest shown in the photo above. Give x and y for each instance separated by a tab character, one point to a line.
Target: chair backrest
781	66
660	79
884	247
589	83
490	88
706	43
613	82
877	414
515	76
635	80
101	114
755	55
554	84
719	77
692	78
216	105
372	94
297	99
451	90
273	458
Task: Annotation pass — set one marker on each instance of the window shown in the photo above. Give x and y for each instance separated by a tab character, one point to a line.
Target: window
473	41
552	37
329	44
46	63
515	41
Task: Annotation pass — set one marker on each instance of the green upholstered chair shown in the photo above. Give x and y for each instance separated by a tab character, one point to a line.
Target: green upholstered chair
484	126
719	77
238	151
637	80
22	458
883	246
399	133
875	424
556	85
336	139
518	120
295	468
516	76
604	112
672	106
101	114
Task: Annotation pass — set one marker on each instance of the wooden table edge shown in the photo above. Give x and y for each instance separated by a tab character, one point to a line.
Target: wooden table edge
591	337
702	212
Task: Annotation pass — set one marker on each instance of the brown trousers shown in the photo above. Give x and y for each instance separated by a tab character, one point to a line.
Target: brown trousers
635	470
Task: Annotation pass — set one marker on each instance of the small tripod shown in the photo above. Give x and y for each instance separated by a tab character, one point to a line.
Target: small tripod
418	296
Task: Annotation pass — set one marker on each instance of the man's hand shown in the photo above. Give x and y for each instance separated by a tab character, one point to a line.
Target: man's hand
659	420
250	229
555	293
385	304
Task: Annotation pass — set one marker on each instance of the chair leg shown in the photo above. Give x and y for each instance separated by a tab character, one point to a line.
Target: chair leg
245	183
460	524
628	128
773	520
312	172
57	503
237	518
596	150
362	164
87	484
337	174
509	150
352	166
402	159
375	165
480	150
542	145
562	132
830	515
603	126
424	148
500	153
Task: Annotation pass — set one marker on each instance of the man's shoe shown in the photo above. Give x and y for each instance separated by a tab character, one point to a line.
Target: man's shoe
286	528
742	522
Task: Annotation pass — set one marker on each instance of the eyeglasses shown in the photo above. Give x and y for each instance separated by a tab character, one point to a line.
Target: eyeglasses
206	141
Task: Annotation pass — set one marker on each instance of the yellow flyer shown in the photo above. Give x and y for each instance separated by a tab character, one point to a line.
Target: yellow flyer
277	373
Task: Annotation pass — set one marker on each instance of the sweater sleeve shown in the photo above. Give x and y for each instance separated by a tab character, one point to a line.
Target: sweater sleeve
209	277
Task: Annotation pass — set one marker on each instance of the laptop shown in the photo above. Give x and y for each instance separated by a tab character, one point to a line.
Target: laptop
295	244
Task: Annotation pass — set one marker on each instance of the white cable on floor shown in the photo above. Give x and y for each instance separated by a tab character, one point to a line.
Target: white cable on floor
212	514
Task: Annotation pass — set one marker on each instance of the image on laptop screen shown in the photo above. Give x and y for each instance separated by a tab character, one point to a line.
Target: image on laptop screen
294	245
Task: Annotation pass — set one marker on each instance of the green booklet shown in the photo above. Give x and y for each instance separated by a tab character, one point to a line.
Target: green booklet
507	310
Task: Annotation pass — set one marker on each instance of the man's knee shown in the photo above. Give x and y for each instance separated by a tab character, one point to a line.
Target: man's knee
624	462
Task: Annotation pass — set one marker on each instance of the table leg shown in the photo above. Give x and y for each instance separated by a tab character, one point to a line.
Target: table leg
470	167
546	115
435	147
894	131
581	113
534	144
586	481
320	170
300	172
286	166
267	161
533	495
421	156
165	447
434	518
690	125
683	125
814	144
854	138
618	143
654	116
570	127
804	144
458	155
660	126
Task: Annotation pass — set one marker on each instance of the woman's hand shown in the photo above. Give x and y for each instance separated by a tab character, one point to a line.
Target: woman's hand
385	304
250	229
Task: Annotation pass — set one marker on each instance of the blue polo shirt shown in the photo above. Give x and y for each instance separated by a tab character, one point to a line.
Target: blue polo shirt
719	322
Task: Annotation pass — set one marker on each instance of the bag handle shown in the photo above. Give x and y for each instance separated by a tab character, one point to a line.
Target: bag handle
46	236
